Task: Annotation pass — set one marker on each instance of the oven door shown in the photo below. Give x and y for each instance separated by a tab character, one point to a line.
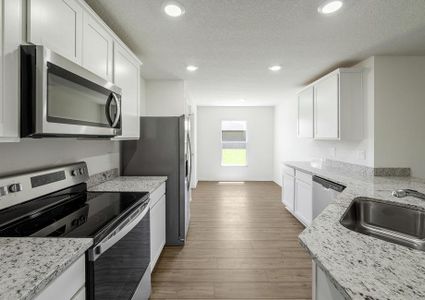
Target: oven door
118	267
61	98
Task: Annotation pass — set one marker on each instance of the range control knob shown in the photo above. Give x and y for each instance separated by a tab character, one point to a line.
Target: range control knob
3	191
74	172
81	170
14	188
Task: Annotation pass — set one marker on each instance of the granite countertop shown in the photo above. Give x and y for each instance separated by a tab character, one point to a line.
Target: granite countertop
130	184
30	264
363	267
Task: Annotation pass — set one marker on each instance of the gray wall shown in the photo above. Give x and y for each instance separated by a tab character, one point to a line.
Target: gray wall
40	153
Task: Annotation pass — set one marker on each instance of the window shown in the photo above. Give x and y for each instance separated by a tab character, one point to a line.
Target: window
233	143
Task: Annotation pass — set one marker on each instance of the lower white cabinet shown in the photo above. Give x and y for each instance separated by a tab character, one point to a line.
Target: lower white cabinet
303	197
157	223
288	192
70	285
323	288
297	194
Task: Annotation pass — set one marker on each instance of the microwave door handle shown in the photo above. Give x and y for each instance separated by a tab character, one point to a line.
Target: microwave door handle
113	97
118	114
108	110
111	240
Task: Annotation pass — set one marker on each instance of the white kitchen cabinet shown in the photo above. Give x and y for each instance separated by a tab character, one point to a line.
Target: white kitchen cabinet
338	106
288	191
326	108
69	285
157	223
323	287
57	25
331	108
303	208
305	113
11	20
127	77
97	48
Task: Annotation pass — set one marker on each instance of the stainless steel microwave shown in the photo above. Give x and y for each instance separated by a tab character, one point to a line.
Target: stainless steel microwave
62	99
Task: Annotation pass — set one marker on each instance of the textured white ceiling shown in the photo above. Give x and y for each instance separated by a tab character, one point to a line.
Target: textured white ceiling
234	41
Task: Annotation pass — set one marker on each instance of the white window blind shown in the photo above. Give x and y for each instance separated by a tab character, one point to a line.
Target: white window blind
234	142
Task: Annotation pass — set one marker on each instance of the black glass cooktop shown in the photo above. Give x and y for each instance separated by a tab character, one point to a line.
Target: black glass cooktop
72	212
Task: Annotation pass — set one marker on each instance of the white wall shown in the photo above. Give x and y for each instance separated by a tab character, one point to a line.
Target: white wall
288	147
165	98
400	113
41	153
260	127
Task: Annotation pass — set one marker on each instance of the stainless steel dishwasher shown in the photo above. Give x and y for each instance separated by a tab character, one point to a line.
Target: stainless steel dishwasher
324	192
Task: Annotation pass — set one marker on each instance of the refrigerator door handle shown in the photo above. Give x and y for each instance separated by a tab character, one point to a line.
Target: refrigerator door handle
189	160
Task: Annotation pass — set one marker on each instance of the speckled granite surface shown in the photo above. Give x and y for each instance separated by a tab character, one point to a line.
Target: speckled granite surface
361	266
130	184
28	265
102	177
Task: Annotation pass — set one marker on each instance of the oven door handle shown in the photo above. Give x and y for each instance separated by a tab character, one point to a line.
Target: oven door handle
118	234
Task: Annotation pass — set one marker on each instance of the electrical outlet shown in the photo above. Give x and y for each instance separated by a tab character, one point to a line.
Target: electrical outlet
361	154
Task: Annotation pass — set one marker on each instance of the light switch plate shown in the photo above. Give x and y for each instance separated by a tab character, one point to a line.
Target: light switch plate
361	154
332	152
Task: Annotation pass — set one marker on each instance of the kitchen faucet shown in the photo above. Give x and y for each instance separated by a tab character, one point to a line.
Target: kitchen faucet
408	192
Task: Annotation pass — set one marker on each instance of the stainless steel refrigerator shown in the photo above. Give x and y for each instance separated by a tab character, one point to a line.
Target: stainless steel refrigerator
164	149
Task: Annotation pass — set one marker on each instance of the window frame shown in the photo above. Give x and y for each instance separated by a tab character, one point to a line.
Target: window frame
223	142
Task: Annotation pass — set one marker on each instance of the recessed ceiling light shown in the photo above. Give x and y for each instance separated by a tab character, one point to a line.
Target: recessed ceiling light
330	7
242	100
191	68
275	68
173	9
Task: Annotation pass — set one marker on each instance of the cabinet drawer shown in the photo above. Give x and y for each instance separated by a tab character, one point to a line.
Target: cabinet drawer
307	178
288	170
67	284
157	194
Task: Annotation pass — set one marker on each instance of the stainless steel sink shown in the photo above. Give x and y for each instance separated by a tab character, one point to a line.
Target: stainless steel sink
387	221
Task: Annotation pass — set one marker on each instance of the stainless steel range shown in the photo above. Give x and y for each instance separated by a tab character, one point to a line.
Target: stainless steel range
55	203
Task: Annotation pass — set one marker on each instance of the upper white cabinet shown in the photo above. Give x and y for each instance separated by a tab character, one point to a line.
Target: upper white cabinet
332	107
326	108
58	25
97	48
305	113
11	37
127	77
72	29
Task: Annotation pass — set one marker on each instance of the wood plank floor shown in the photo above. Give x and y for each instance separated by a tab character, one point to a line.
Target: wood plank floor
242	244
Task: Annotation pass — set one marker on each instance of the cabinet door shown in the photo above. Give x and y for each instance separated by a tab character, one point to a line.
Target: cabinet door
303	201
67	284
56	25
157	222
305	113
326	108
288	192
97	48
323	288
127	77
11	20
